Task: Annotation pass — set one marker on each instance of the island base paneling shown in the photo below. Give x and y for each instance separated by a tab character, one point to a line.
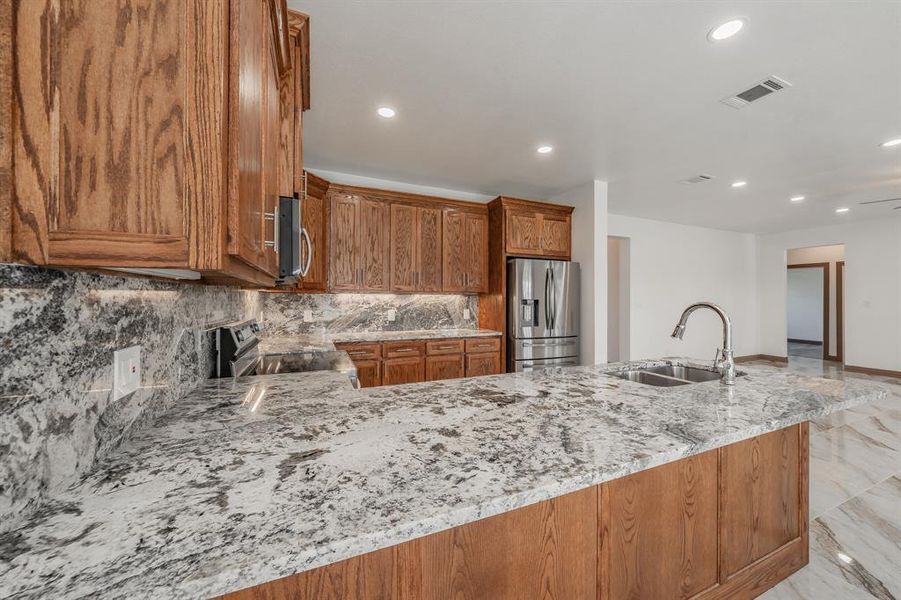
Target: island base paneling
727	523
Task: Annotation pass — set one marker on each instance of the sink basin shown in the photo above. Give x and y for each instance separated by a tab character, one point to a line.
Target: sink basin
691	374
669	375
649	378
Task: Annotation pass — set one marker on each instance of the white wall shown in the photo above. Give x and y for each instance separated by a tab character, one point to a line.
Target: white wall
804	301
672	266
872	289
589	249
820	254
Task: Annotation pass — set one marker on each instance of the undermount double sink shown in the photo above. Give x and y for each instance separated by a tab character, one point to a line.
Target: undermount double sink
668	375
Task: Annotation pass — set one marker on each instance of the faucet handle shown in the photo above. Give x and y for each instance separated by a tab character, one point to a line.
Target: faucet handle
717	358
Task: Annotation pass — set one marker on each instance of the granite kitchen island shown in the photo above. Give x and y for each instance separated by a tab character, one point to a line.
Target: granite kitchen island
442	487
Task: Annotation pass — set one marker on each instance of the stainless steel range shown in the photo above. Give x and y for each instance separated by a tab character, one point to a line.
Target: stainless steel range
542	314
238	355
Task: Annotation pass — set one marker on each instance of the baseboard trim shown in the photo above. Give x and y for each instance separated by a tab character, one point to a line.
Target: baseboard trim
870	371
832	358
810	342
769	357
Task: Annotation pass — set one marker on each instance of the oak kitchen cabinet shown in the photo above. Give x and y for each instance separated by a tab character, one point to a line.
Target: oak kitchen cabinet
359	238
411	361
537	229
415	248
465	251
150	134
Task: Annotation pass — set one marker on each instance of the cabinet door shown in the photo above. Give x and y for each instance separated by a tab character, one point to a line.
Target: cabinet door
445	366
374	248
488	363
523	232
454	254
555	235
315	215
101	165
428	250
247	106
476	253
272	147
368	373
762	484
658	531
343	242
403	247
403	370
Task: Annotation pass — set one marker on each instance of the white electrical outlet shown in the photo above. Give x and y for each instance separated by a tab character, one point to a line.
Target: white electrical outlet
466	313
308	316
392	314
126	371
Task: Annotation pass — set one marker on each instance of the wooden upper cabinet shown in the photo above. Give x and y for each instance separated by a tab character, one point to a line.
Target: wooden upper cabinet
374	251
359	243
151	137
523	232
465	251
415	248
344	241
110	104
315	216
537	229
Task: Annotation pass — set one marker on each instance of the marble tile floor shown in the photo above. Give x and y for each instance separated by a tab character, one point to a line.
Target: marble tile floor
855	499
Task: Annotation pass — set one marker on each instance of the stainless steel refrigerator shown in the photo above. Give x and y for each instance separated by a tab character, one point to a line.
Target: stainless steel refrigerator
542	313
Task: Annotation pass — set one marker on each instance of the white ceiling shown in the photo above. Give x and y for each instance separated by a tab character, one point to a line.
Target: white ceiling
626	92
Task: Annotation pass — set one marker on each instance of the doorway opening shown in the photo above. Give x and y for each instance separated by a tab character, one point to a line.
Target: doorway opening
617	299
814	303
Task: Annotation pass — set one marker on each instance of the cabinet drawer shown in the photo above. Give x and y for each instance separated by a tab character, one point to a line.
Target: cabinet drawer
444	347
404	349
361	351
492	344
488	363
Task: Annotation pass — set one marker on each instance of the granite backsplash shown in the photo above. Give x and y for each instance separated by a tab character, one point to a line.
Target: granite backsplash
283	314
58	331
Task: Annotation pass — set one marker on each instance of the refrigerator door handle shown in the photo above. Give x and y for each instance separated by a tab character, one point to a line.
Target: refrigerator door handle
554	300
547	298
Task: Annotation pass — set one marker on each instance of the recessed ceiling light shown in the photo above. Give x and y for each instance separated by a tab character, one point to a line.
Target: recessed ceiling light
386	112
544	149
727	29
842	210
890	143
738	184
797	198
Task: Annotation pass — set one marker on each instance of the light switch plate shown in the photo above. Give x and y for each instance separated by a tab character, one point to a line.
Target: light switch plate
126	371
392	314
466	313
308	316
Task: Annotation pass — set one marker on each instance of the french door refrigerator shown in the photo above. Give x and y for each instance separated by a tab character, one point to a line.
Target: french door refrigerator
542	313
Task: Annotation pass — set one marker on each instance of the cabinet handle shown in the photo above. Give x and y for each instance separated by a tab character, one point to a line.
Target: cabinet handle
273	243
444	347
405	350
357	352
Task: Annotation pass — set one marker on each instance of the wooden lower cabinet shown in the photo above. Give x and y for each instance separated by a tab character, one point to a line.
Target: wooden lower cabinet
444	366
403	370
369	372
728	523
488	363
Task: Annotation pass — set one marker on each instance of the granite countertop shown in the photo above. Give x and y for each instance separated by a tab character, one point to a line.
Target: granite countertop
327	340
249	480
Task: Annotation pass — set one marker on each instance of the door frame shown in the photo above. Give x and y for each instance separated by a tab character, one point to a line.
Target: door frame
840	309
825	267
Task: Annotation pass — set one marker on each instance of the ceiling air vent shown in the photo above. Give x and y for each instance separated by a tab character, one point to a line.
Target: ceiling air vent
696	179
764	88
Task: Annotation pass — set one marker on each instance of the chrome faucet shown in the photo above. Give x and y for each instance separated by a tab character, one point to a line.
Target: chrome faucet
724	361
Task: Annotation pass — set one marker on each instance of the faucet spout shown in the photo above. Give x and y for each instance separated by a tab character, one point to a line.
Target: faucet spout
725	361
